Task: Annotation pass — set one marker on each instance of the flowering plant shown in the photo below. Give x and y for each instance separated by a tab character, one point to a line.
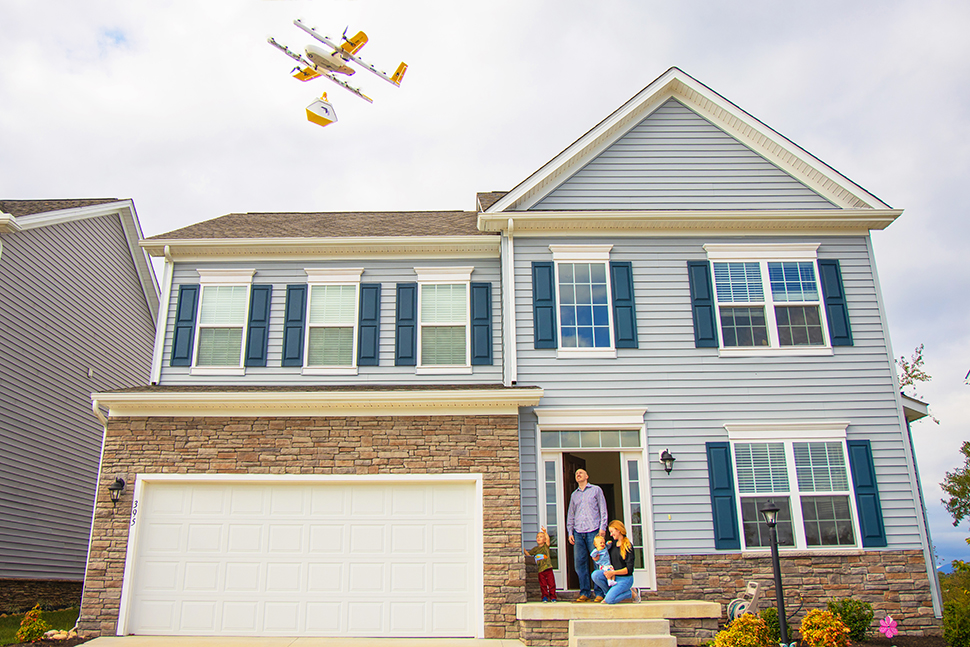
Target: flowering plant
888	627
824	629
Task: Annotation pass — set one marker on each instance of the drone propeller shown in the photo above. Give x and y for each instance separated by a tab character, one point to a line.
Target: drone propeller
344	35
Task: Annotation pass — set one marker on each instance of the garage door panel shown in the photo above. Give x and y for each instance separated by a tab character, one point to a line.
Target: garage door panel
277	559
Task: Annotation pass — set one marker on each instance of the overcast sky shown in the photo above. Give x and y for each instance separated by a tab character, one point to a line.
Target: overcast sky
183	107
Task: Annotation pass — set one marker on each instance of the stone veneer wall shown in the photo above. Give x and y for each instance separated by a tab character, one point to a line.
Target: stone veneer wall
17	596
894	582
486	445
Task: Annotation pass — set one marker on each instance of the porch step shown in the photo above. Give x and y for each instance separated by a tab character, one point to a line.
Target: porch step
620	633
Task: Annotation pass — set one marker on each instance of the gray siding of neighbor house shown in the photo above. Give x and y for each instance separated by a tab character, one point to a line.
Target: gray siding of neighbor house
676	159
70	301
388	273
690	393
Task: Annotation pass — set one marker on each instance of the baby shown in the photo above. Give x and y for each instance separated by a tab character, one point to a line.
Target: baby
602	556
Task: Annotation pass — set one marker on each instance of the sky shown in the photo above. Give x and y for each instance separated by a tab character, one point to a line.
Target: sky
181	106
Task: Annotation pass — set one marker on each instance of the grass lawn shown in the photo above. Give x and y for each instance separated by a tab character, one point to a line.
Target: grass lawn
63	619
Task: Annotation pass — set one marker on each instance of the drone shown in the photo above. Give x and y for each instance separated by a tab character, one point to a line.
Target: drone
319	62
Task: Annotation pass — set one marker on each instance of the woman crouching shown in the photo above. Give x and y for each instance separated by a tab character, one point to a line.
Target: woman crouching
621	558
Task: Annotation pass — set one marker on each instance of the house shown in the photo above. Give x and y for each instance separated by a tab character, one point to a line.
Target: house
356	420
78	302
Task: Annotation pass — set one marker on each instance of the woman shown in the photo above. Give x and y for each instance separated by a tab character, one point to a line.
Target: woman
621	557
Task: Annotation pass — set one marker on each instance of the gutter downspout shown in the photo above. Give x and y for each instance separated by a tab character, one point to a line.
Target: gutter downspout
162	323
510	368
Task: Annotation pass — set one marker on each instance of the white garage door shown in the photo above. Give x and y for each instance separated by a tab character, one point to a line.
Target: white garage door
299	558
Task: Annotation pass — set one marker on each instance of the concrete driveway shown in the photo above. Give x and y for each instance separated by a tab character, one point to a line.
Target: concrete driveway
220	641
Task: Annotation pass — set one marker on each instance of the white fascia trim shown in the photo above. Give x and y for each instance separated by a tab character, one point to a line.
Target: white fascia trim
313	248
334	275
8	223
60	216
810	430
762	252
913	408
711	105
320	403
692	222
574	253
579	418
444	274
226	276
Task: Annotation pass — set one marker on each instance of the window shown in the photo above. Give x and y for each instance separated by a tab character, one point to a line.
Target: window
332	315
808	480
443	314
583	295
223	314
768	298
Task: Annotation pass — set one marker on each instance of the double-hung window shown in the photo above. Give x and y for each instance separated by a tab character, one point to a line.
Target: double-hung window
332	316
222	317
583	294
808	478
443	319
768	298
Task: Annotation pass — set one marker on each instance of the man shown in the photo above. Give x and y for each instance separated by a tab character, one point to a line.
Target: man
585	519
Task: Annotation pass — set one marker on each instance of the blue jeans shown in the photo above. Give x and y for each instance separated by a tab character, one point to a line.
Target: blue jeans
616	593
581	550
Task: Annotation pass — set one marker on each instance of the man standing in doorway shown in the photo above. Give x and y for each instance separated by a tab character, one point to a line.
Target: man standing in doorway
585	519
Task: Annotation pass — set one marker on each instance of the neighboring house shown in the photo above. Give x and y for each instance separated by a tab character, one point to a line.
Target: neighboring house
357	420
78	302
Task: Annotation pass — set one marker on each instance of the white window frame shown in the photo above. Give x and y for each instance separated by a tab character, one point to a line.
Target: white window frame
445	276
331	276
222	278
569	254
788	434
763	254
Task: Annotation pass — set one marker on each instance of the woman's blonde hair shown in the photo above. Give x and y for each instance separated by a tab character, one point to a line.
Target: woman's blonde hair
625	544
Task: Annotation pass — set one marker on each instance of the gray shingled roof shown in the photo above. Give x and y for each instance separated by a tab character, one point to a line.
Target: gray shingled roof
28	207
332	225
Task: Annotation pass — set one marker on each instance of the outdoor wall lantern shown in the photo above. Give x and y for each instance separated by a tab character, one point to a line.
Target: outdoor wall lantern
668	460
770	513
115	490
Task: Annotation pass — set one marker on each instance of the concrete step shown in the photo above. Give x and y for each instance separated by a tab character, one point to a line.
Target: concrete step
620	627
620	633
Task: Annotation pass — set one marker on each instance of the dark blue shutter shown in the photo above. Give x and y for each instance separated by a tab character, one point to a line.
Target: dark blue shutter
723	506
406	325
835	307
544	305
702	304
294	321
866	494
481	302
368	334
257	333
184	325
624	309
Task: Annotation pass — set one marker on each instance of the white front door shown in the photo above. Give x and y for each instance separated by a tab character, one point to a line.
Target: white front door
303	557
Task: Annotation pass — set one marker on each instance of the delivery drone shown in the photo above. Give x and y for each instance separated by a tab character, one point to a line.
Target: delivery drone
329	64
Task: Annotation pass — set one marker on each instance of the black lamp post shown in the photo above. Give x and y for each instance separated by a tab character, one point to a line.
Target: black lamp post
770	512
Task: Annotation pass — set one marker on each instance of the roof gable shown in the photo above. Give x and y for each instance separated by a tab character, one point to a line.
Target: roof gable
677	159
801	166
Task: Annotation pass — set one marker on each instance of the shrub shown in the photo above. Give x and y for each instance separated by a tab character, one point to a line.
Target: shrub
856	614
32	627
747	630
823	629
770	616
956	624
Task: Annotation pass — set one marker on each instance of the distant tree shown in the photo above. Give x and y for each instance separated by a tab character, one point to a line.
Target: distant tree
911	370
956	485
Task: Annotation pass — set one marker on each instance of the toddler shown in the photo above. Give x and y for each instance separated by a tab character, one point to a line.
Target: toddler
602	556
547	581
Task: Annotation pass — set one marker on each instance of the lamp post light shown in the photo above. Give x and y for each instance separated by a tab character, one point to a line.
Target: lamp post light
770	512
667	460
115	490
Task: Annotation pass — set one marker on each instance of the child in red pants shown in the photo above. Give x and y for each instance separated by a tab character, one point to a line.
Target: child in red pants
547	582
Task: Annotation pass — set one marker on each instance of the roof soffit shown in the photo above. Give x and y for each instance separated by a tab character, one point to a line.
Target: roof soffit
676	84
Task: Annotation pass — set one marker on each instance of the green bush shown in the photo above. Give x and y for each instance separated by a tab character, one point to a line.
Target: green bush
856	614
32	627
770	616
746	630
956	624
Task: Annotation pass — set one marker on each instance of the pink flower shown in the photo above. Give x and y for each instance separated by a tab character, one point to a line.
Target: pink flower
888	627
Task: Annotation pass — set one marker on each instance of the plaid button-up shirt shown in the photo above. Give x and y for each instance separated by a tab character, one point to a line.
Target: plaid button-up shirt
587	510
